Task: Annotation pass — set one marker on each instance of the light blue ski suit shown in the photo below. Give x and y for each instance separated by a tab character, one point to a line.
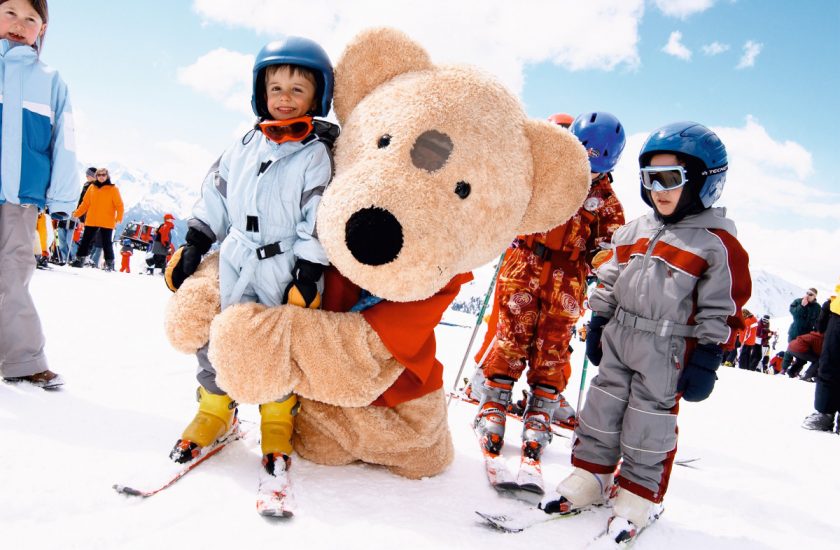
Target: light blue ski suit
260	200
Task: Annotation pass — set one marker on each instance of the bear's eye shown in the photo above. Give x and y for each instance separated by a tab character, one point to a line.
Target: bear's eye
462	189
384	141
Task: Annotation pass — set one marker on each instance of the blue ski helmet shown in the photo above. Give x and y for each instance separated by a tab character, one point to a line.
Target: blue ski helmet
293	50
704	156
603	137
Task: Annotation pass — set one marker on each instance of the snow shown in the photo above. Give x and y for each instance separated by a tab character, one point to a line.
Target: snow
761	481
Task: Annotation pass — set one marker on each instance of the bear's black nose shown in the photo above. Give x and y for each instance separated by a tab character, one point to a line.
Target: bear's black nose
374	236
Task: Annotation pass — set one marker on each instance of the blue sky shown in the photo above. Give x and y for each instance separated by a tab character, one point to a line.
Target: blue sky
163	86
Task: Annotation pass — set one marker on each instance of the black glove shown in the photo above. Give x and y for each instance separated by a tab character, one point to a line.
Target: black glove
186	259
303	290
593	339
58	215
698	378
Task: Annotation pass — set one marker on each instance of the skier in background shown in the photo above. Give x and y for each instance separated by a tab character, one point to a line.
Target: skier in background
805	312
102	207
160	245
750	351
539	297
668	300
44	145
827	390
126	252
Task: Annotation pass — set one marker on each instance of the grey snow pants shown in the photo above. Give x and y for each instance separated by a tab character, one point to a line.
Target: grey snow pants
630	411
21	336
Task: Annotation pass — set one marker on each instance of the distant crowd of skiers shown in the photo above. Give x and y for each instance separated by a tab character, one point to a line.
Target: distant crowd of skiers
757	340
83	238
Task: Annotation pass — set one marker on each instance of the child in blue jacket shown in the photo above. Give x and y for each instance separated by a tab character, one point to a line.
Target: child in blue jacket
37	170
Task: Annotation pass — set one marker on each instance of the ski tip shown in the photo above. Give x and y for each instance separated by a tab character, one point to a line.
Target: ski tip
130	491
276	514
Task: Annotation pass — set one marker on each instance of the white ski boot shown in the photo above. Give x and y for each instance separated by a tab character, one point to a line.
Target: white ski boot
580	490
632	514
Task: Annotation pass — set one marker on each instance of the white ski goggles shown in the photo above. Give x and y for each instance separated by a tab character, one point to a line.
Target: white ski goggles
663	178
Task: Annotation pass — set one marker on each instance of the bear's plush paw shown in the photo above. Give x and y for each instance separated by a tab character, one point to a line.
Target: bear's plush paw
250	351
190	312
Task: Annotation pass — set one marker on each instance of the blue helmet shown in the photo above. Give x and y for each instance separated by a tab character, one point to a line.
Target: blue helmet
704	156
293	50
603	137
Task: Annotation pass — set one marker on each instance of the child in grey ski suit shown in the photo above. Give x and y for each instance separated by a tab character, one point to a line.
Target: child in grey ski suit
667	301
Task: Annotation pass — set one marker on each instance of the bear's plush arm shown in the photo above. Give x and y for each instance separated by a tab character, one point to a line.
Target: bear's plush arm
191	309
261	354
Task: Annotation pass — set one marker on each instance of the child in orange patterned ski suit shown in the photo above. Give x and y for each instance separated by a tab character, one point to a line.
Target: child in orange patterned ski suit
539	297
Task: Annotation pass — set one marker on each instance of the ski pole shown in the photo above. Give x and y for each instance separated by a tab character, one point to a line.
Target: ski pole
478	320
579	403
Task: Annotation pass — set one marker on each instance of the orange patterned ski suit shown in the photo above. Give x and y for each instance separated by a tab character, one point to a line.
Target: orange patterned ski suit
540	291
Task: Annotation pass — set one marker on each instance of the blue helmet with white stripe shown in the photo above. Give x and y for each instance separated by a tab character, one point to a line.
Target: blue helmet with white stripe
702	151
293	50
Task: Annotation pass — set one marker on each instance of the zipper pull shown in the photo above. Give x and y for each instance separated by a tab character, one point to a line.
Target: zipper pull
677	362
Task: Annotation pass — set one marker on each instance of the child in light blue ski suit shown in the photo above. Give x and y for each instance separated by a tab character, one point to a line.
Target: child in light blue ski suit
260	201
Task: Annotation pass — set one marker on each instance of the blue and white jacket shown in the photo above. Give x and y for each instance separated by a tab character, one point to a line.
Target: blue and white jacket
37	144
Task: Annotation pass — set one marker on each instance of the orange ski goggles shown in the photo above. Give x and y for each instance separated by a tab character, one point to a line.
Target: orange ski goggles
293	129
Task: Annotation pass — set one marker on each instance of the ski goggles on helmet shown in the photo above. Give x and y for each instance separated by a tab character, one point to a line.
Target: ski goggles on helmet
293	129
663	178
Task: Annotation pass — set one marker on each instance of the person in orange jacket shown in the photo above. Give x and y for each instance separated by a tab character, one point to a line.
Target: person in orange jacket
126	252
750	356
103	207
539	297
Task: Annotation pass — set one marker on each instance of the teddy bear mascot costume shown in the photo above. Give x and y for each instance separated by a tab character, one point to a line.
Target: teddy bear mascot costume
437	169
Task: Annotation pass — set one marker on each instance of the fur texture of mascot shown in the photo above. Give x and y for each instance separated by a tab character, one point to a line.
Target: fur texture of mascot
437	169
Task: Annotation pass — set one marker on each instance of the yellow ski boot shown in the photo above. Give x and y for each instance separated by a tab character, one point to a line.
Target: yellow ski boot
277	420
215	418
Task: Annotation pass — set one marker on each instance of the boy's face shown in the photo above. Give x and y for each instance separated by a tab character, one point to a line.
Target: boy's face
20	22
288	94
666	201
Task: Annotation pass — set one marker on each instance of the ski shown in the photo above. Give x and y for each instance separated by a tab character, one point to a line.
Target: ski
619	537
174	471
687	462
530	478
559	428
274	495
516	522
498	474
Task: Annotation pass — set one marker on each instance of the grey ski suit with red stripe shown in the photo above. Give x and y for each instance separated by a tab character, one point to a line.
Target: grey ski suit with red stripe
666	288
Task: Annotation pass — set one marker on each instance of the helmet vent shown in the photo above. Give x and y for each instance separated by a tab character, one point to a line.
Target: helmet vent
593	117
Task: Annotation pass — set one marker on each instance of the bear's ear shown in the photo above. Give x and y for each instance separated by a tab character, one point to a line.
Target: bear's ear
375	56
561	177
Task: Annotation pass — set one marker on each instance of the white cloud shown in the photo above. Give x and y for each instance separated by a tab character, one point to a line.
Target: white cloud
682	9
676	48
171	160
751	51
498	35
223	75
785	222
715	48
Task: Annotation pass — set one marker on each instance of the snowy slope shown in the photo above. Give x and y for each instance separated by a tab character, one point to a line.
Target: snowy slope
762	481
